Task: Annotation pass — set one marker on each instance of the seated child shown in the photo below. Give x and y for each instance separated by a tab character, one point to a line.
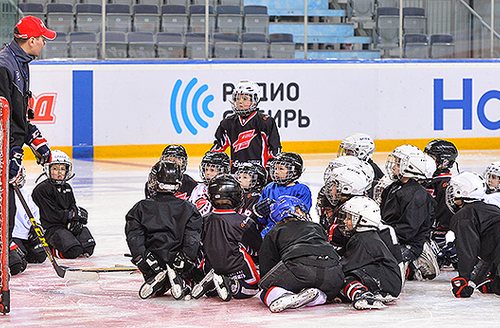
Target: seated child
163	235
298	265
367	259
229	242
212	164
177	154
252	178
285	170
492	177
64	222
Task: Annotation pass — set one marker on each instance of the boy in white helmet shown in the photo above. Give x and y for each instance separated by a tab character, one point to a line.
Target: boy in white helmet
252	135
64	222
492	177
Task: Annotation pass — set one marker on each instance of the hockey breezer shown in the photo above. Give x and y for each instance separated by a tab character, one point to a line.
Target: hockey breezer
61	272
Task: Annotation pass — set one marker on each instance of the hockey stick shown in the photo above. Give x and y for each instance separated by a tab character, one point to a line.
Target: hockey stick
116	268
61	272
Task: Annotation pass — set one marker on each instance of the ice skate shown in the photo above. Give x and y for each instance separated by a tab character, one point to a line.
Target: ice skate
366	301
204	285
385	297
427	263
153	285
294	301
223	287
179	289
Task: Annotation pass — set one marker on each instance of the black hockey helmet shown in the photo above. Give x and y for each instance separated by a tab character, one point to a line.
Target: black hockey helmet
323	207
444	152
225	186
292	162
176	152
257	173
220	162
168	176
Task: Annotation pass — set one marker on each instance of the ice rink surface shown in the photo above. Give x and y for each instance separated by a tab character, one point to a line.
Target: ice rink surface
109	188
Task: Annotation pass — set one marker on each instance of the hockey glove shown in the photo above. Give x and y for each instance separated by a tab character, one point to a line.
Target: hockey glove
461	288
75	226
182	264
16	164
38	145
148	265
447	255
81	214
263	208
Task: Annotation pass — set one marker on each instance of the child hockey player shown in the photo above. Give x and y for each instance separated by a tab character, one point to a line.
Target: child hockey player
229	242
163	235
252	178
252	136
177	154
285	170
367	259
477	227
362	146
24	235
409	209
492	177
298	265
325	210
444	154
64	222
212	164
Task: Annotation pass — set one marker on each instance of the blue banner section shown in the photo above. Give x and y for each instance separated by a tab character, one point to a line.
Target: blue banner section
83	109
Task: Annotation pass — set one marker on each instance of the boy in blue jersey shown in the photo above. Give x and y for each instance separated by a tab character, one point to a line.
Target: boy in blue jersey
285	170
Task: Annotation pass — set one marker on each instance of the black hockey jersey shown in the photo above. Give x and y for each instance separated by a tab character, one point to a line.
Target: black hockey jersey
409	209
367	254
246	207
437	188
254	139
477	234
227	238
293	239
55	202
164	225
184	192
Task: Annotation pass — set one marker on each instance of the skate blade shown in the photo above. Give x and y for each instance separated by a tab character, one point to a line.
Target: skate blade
222	290
199	289
365	305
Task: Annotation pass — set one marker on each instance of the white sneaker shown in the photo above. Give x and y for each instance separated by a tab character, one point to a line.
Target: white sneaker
223	287
294	301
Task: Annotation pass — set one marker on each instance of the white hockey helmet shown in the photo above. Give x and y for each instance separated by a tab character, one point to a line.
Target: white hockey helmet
430	166
492	176
246	87
359	214
347	181
347	161
467	186
59	157
360	145
406	161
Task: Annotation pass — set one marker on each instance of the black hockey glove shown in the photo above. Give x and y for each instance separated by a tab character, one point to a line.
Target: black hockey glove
75	226
38	145
447	255
16	164
263	208
148	265
81	214
182	264
406	253
461	288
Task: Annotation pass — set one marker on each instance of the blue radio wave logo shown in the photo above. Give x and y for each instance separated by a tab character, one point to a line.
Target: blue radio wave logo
194	106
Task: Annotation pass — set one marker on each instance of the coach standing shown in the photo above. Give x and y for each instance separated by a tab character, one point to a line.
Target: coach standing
30	34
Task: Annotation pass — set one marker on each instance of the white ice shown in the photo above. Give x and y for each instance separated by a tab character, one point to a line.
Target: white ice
109	188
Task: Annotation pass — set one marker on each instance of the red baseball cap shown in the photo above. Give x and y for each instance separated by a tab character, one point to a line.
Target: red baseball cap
33	27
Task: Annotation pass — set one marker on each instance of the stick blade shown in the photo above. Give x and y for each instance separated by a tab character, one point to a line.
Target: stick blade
81	276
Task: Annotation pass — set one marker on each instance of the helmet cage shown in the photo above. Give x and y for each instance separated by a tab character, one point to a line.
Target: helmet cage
59	157
492	172
249	88
359	145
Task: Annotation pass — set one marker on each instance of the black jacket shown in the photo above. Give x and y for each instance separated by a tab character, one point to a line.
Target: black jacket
409	209
55	202
253	140
291	240
164	225
14	86
437	188
224	233
477	233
